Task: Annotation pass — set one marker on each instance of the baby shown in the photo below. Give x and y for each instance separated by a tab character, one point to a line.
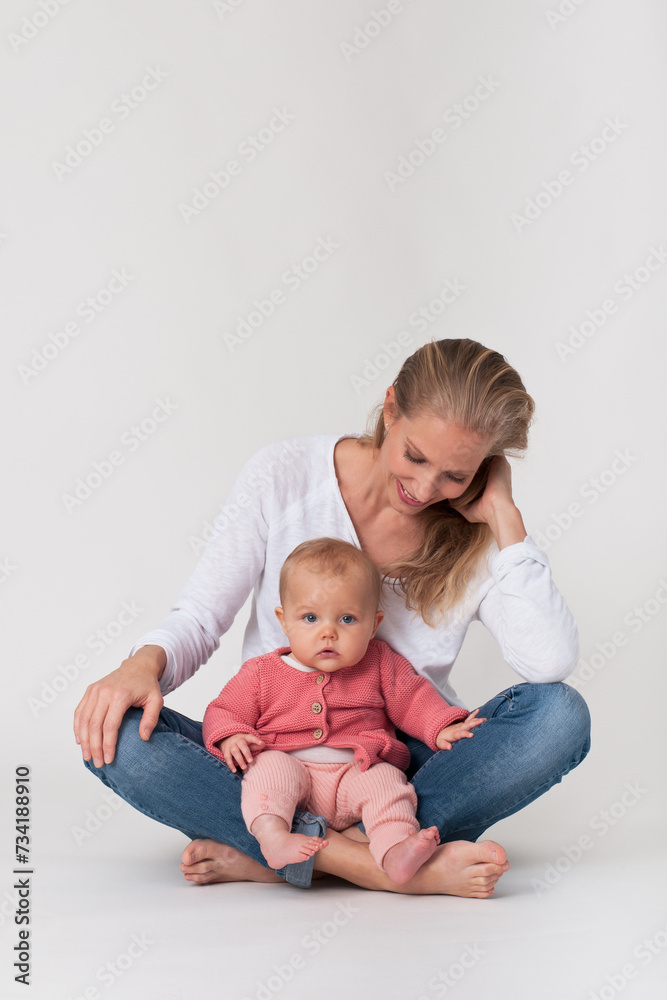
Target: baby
310	724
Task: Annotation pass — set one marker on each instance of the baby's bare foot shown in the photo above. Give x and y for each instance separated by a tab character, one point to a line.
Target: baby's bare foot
280	847
402	860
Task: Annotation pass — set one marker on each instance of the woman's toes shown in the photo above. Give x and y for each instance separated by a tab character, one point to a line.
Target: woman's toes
496	853
195	851
198	879
196	871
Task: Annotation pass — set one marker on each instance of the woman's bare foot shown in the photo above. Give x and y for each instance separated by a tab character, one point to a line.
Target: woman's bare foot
205	861
461	868
402	860
457	868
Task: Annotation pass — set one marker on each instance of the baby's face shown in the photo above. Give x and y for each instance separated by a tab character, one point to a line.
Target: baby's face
329	620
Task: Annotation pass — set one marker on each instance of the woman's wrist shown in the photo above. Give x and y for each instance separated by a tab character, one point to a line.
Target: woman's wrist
153	658
507	526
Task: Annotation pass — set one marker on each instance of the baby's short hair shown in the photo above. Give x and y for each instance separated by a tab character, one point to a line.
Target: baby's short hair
332	556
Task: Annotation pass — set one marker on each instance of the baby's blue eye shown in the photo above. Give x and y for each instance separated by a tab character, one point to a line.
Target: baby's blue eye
310	618
348	619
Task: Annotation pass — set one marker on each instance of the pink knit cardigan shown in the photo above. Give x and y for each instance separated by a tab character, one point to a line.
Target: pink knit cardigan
352	707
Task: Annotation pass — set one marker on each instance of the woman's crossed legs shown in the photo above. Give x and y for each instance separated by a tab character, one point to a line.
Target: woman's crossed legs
533	735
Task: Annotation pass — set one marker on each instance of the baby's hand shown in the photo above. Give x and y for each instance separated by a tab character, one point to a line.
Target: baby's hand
236	748
457	731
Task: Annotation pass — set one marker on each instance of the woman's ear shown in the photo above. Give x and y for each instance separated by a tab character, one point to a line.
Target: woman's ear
389	408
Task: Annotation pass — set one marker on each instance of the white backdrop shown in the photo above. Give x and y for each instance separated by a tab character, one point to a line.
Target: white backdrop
228	223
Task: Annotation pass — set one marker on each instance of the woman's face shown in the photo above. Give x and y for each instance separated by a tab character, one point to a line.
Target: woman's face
426	459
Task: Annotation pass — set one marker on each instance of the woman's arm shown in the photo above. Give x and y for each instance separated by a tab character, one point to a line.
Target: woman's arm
528	616
523	609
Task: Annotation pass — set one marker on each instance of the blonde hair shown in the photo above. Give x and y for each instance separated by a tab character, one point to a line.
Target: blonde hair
334	557
475	388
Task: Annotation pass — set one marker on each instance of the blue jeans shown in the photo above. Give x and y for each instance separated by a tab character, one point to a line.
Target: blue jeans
534	735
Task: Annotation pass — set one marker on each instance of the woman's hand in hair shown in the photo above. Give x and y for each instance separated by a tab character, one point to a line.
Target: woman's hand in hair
496	506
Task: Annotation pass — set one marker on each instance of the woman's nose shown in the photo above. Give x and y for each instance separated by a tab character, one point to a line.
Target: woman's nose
424	489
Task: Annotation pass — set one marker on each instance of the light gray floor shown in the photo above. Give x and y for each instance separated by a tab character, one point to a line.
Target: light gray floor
566	941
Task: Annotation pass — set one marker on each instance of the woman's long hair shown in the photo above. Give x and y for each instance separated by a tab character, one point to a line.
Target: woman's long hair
467	384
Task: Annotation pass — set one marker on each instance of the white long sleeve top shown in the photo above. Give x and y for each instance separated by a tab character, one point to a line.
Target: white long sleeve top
287	493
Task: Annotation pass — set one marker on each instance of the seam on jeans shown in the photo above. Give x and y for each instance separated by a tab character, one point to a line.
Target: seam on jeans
507	695
140	809
212	756
106	780
531	796
527	799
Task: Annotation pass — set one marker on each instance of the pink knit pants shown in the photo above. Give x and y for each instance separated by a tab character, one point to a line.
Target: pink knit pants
276	783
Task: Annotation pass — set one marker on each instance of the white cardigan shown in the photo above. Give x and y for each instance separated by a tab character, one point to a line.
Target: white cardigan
287	493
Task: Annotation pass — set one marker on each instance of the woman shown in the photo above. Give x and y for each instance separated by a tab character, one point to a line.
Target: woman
428	496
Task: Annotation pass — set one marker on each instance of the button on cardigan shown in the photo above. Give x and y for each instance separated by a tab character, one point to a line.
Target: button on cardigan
354	707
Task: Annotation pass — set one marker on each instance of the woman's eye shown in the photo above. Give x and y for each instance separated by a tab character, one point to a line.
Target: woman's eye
310	618
348	619
420	461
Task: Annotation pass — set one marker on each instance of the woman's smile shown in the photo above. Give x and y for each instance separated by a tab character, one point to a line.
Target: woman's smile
438	459
407	497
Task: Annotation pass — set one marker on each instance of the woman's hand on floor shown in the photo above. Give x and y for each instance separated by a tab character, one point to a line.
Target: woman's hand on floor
100	712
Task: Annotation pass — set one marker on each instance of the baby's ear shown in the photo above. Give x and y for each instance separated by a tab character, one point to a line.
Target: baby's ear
280	615
379	615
